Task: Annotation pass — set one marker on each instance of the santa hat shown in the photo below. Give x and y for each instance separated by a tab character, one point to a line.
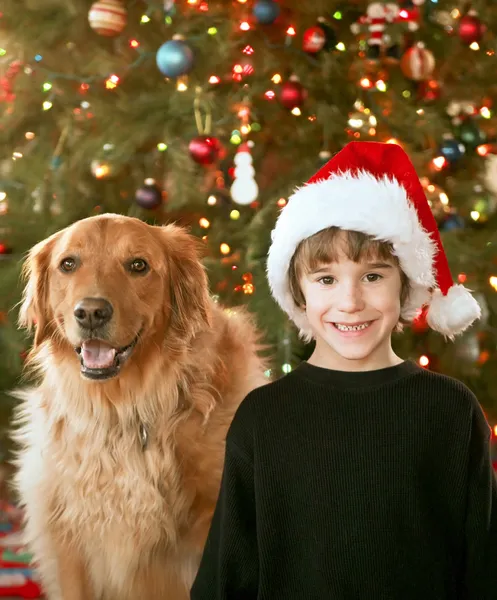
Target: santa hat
373	188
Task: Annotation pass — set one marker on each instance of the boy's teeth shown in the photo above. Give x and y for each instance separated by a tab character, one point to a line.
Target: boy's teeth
351	327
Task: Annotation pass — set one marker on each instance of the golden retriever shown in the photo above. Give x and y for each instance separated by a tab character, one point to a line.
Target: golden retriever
122	441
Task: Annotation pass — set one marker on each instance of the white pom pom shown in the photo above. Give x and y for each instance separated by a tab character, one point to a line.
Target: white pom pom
454	313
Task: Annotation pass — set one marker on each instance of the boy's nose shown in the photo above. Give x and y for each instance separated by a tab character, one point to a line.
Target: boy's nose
350	299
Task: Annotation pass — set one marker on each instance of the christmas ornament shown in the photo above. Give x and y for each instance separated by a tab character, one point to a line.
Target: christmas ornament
292	93
314	40
382	39
469	134
417	63
244	189
266	11
430	90
452	150
452	222
149	195
107	17
471	29
175	58
205	149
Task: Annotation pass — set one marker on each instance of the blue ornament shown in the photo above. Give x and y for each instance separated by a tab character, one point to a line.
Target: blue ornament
452	150
266	11
453	222
174	58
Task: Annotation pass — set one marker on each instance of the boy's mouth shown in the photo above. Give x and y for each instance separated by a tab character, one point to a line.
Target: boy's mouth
354	327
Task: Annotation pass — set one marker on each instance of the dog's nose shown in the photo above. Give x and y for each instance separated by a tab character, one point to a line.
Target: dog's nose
92	313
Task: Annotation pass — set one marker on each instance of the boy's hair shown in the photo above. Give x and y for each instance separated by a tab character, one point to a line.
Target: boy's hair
327	245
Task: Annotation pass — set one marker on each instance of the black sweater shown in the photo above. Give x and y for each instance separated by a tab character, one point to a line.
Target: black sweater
344	486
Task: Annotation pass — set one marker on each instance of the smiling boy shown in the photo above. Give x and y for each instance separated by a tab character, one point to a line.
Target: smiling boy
359	475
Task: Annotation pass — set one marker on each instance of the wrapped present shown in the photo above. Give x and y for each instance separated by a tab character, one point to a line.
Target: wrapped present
17	577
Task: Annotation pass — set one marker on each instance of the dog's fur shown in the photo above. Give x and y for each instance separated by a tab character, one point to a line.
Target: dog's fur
106	517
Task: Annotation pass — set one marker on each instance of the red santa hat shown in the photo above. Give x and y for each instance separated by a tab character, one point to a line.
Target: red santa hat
373	188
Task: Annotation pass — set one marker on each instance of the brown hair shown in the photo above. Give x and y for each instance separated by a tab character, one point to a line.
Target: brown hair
327	245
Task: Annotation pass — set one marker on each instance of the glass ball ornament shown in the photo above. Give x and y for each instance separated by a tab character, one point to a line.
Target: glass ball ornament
430	90
417	63
470	134
313	40
175	58
452	150
266	11
149	195
452	222
471	29
205	149
292	94
107	17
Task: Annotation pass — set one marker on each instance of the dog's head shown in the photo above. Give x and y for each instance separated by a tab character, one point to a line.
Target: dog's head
109	284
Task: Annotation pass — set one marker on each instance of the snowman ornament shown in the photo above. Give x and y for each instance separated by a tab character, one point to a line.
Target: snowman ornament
244	189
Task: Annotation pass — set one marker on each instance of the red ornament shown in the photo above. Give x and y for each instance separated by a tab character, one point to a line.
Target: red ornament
205	149
314	40
292	94
430	90
471	29
417	63
4	249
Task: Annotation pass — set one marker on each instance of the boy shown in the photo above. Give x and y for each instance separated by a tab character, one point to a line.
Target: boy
358	475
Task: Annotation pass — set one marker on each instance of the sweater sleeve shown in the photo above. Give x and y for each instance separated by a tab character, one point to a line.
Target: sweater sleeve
481	517
229	565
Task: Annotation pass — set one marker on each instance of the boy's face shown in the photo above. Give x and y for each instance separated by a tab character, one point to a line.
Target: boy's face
353	307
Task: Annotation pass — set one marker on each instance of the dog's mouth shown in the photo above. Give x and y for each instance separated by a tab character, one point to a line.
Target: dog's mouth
100	360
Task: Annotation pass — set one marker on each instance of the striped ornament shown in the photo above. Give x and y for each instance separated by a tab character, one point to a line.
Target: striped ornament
417	63
107	17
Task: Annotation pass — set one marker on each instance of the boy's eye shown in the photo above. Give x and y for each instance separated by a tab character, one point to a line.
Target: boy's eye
326	280
372	277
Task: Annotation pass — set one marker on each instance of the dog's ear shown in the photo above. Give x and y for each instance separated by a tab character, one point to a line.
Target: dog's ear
34	310
190	306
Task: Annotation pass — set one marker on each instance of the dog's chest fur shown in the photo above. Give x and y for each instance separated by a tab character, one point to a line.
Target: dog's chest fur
117	485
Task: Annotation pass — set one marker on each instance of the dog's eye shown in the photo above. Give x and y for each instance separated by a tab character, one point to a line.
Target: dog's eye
67	264
138	265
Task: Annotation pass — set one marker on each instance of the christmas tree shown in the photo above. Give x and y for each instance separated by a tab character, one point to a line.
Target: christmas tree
209	113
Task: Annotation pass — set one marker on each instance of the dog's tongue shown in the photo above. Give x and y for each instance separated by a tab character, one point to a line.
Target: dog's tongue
97	354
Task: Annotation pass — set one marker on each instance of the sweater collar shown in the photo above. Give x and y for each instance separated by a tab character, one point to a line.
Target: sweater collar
356	379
